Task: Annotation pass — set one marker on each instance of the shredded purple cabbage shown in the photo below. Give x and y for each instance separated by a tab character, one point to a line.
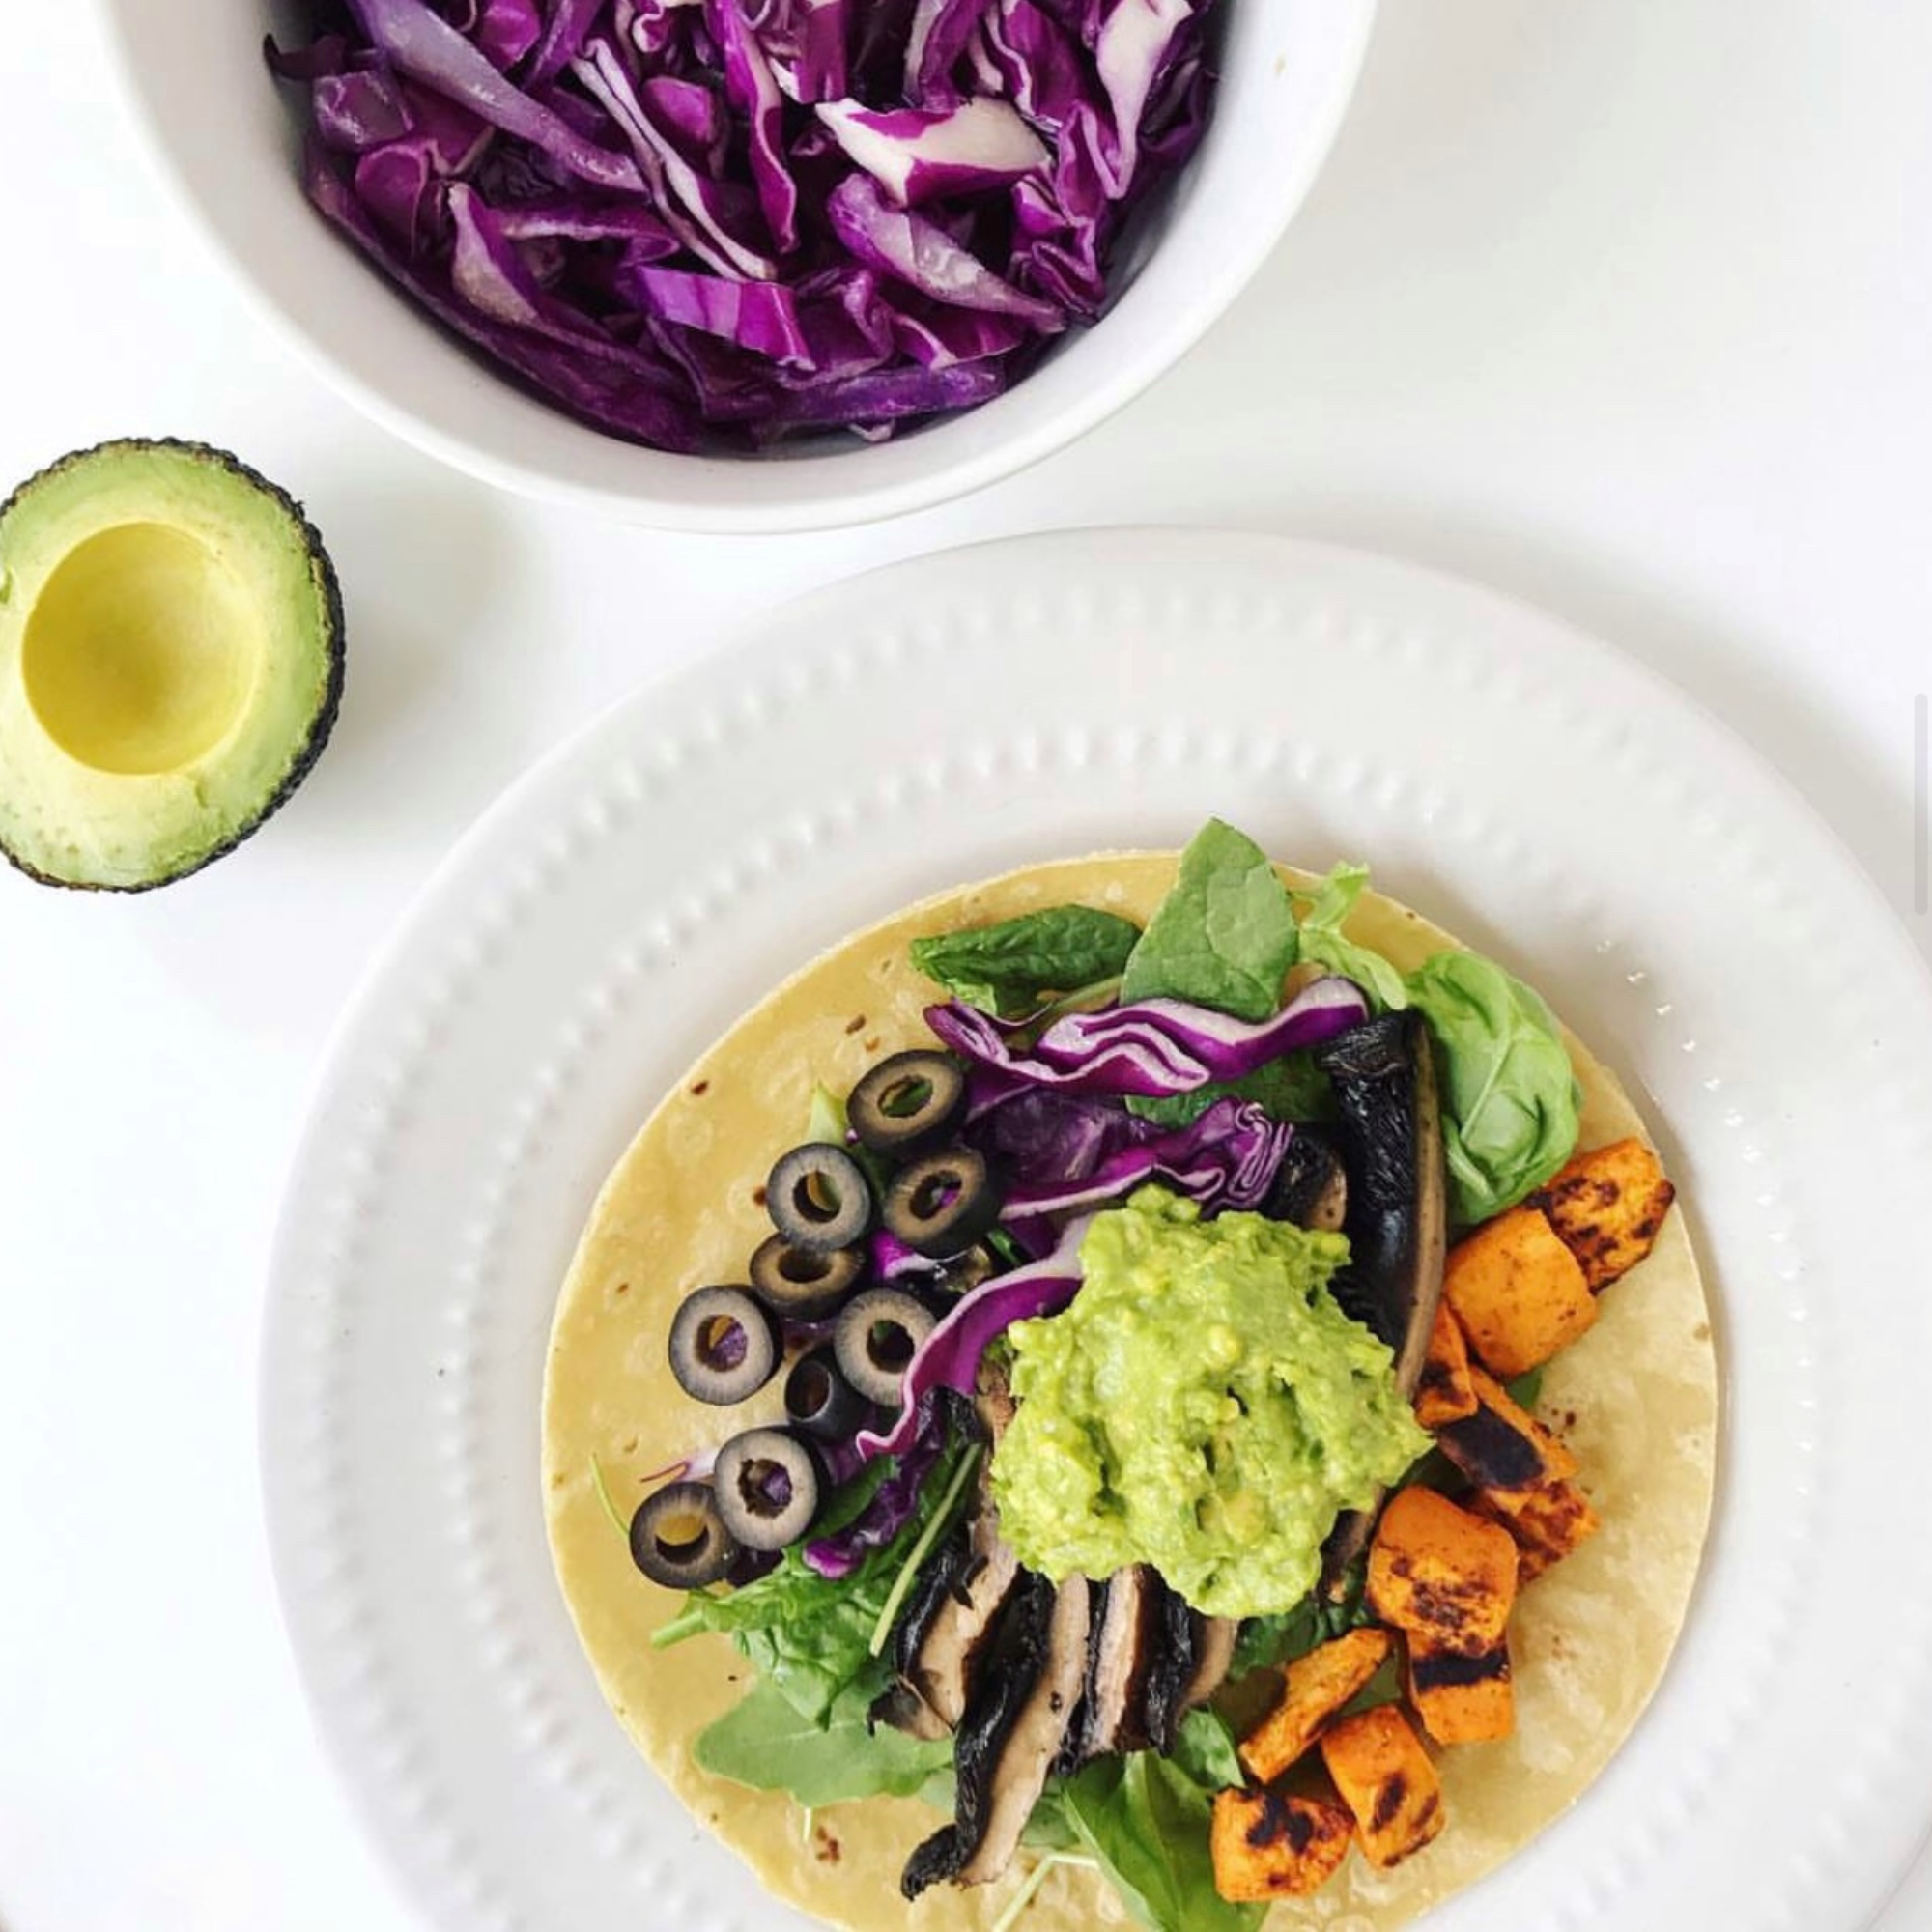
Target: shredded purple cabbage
723	222
891	1507
1227	1159
1156	1048
950	1356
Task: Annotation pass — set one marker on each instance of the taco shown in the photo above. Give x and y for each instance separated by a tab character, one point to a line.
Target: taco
1186	1386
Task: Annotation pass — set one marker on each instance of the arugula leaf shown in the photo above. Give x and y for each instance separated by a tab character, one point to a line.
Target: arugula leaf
1145	1820
1008	969
763	1742
1509	1097
810	1635
1323	913
1225	935
1292	1088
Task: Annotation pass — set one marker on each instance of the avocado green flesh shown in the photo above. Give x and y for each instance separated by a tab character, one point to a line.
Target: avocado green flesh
1201	1404
170	662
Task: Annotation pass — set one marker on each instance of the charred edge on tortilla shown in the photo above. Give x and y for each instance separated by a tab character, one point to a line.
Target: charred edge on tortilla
1390	1130
1119	1653
1010	1733
1311	1186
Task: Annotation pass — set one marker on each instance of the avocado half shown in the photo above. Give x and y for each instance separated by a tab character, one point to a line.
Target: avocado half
170	662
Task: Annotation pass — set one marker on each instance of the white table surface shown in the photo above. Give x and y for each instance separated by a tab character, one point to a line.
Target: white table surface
1623	307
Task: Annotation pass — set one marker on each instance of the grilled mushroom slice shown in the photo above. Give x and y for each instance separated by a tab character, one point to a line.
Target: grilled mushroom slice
1390	1132
1120	1652
1191	1657
1010	1733
932	1595
1310	1187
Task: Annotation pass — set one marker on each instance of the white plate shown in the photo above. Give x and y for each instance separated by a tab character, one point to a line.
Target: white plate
947	719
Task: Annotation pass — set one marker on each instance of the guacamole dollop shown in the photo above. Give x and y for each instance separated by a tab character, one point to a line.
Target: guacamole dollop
1201	1404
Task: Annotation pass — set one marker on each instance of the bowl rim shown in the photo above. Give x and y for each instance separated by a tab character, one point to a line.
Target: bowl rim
771	508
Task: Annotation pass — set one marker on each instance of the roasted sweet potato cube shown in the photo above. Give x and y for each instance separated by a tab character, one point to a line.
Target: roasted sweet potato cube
1437	1573
1548	1522
1444	1392
1386	1780
1462	1697
1314	1688
1268	1846
1518	1291
1606	1207
1502	1446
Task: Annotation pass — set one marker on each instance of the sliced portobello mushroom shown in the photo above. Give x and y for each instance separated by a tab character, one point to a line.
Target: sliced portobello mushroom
945	1665
942	1204
804	1283
1389	1129
678	1538
1191	1655
819	1199
1311	1187
900	1704
769	1484
1010	1733
1120	1652
878	1334
723	1345
907	1103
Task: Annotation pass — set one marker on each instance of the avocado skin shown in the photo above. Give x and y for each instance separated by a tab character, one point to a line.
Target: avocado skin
321	568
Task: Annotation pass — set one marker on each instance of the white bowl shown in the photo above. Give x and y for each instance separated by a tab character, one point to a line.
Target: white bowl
225	133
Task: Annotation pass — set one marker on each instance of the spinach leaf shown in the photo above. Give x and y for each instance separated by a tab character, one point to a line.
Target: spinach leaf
1008	969
1205	1749
1225	935
1292	1088
1265	1641
1509	1097
810	1635
1527	1387
1323	913
763	1742
1145	1820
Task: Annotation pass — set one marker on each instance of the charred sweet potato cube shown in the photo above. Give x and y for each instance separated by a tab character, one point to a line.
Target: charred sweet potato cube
1386	1780
1606	1207
1548	1521
1443	1392
1502	1446
1437	1573
1266	1845
1314	1688
1462	1697
1518	1292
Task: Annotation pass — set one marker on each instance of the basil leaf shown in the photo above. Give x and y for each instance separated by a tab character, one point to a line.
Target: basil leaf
1225	935
1145	1821
1008	969
1509	1097
1322	915
1292	1088
763	1742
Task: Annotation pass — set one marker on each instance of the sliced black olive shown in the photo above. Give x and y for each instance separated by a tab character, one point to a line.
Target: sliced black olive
769	1482
678	1537
821	1402
908	1103
878	1335
724	1346
804	1283
818	1198
943	1203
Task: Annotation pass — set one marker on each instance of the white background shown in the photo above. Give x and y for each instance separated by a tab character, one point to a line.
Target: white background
1623	305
